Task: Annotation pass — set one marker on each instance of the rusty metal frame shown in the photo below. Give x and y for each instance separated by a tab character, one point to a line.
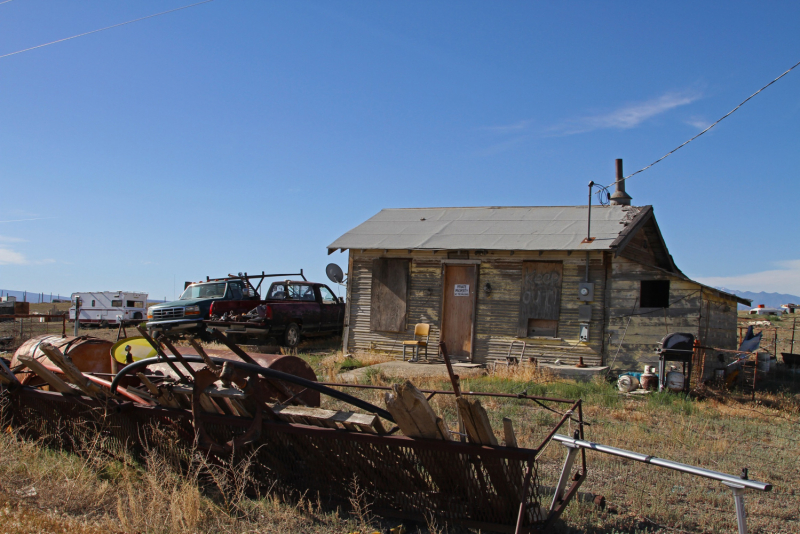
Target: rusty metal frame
565	416
464	491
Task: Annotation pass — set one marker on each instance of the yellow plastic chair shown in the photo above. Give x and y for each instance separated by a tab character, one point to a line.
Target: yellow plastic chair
420	330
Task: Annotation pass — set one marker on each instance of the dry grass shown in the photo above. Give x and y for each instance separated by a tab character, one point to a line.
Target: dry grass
80	494
721	433
523	373
42	490
329	366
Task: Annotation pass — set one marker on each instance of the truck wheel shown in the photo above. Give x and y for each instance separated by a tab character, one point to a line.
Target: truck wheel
291	337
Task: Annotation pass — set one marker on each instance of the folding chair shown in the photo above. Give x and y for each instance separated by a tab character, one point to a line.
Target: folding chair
420	330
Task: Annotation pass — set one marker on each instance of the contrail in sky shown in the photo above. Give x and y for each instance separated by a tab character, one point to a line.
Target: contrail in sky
103	29
33	219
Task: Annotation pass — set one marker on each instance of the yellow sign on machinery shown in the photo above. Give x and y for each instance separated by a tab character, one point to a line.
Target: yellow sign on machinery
138	347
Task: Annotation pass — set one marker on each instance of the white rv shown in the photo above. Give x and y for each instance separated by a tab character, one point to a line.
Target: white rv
105	307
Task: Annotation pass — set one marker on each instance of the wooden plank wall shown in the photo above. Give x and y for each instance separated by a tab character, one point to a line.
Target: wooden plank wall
717	327
640	249
497	314
646	327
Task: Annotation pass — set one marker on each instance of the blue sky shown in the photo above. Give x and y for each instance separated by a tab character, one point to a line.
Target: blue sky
248	135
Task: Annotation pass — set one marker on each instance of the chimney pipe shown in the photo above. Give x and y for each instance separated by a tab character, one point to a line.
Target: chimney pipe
620	197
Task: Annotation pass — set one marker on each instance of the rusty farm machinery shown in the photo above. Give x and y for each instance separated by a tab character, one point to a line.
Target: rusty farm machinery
225	402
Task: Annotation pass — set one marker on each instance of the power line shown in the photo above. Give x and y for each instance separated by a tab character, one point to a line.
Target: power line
707	129
104	29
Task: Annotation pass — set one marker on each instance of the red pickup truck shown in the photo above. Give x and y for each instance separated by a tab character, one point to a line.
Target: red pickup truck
291	310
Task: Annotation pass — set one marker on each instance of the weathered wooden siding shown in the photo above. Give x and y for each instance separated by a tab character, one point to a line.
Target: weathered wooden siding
640	250
717	327
424	300
497	313
633	332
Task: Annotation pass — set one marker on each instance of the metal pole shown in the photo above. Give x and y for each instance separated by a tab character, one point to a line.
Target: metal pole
589	230
77	315
669	464
738	501
794	324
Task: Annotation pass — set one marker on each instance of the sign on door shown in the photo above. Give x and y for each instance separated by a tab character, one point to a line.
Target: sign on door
461	290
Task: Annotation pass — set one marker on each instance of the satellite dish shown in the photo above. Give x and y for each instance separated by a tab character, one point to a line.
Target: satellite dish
334	273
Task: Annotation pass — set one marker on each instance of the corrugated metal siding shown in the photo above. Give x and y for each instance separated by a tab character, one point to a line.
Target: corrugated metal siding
424	298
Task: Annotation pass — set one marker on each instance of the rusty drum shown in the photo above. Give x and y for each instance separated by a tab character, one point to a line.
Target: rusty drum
89	354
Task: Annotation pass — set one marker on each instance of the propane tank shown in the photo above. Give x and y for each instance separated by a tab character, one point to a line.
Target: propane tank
627	383
649	378
675	380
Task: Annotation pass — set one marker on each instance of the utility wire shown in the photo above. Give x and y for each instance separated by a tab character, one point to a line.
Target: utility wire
707	129
104	29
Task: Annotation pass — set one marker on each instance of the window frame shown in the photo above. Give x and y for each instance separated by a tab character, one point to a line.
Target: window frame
531	291
322	290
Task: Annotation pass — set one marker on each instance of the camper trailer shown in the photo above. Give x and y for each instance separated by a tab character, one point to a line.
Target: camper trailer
105	308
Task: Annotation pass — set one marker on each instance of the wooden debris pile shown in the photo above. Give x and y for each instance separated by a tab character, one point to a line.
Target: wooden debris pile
416	419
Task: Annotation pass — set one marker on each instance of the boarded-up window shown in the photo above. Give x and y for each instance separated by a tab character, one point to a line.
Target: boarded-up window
540	301
389	292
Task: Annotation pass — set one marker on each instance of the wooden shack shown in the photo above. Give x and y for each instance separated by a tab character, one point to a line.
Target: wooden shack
485	278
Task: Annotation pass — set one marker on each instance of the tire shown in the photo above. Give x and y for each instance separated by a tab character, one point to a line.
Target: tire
137	315
291	336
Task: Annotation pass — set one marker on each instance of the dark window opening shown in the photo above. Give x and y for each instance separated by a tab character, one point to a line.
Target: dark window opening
542	328
654	294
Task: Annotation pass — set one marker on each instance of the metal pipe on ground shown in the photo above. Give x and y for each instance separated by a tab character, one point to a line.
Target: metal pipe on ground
661	462
737	484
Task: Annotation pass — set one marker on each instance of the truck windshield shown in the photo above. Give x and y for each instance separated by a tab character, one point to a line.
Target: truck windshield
204	291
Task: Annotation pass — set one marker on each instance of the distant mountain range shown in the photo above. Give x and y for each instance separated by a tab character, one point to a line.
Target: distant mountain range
770	300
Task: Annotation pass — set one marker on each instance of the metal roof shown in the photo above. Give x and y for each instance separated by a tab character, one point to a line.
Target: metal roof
490	228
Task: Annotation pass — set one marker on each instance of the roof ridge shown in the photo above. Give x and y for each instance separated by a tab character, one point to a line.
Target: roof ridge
595	206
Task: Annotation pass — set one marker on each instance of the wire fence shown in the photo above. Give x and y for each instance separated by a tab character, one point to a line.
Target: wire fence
17	329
